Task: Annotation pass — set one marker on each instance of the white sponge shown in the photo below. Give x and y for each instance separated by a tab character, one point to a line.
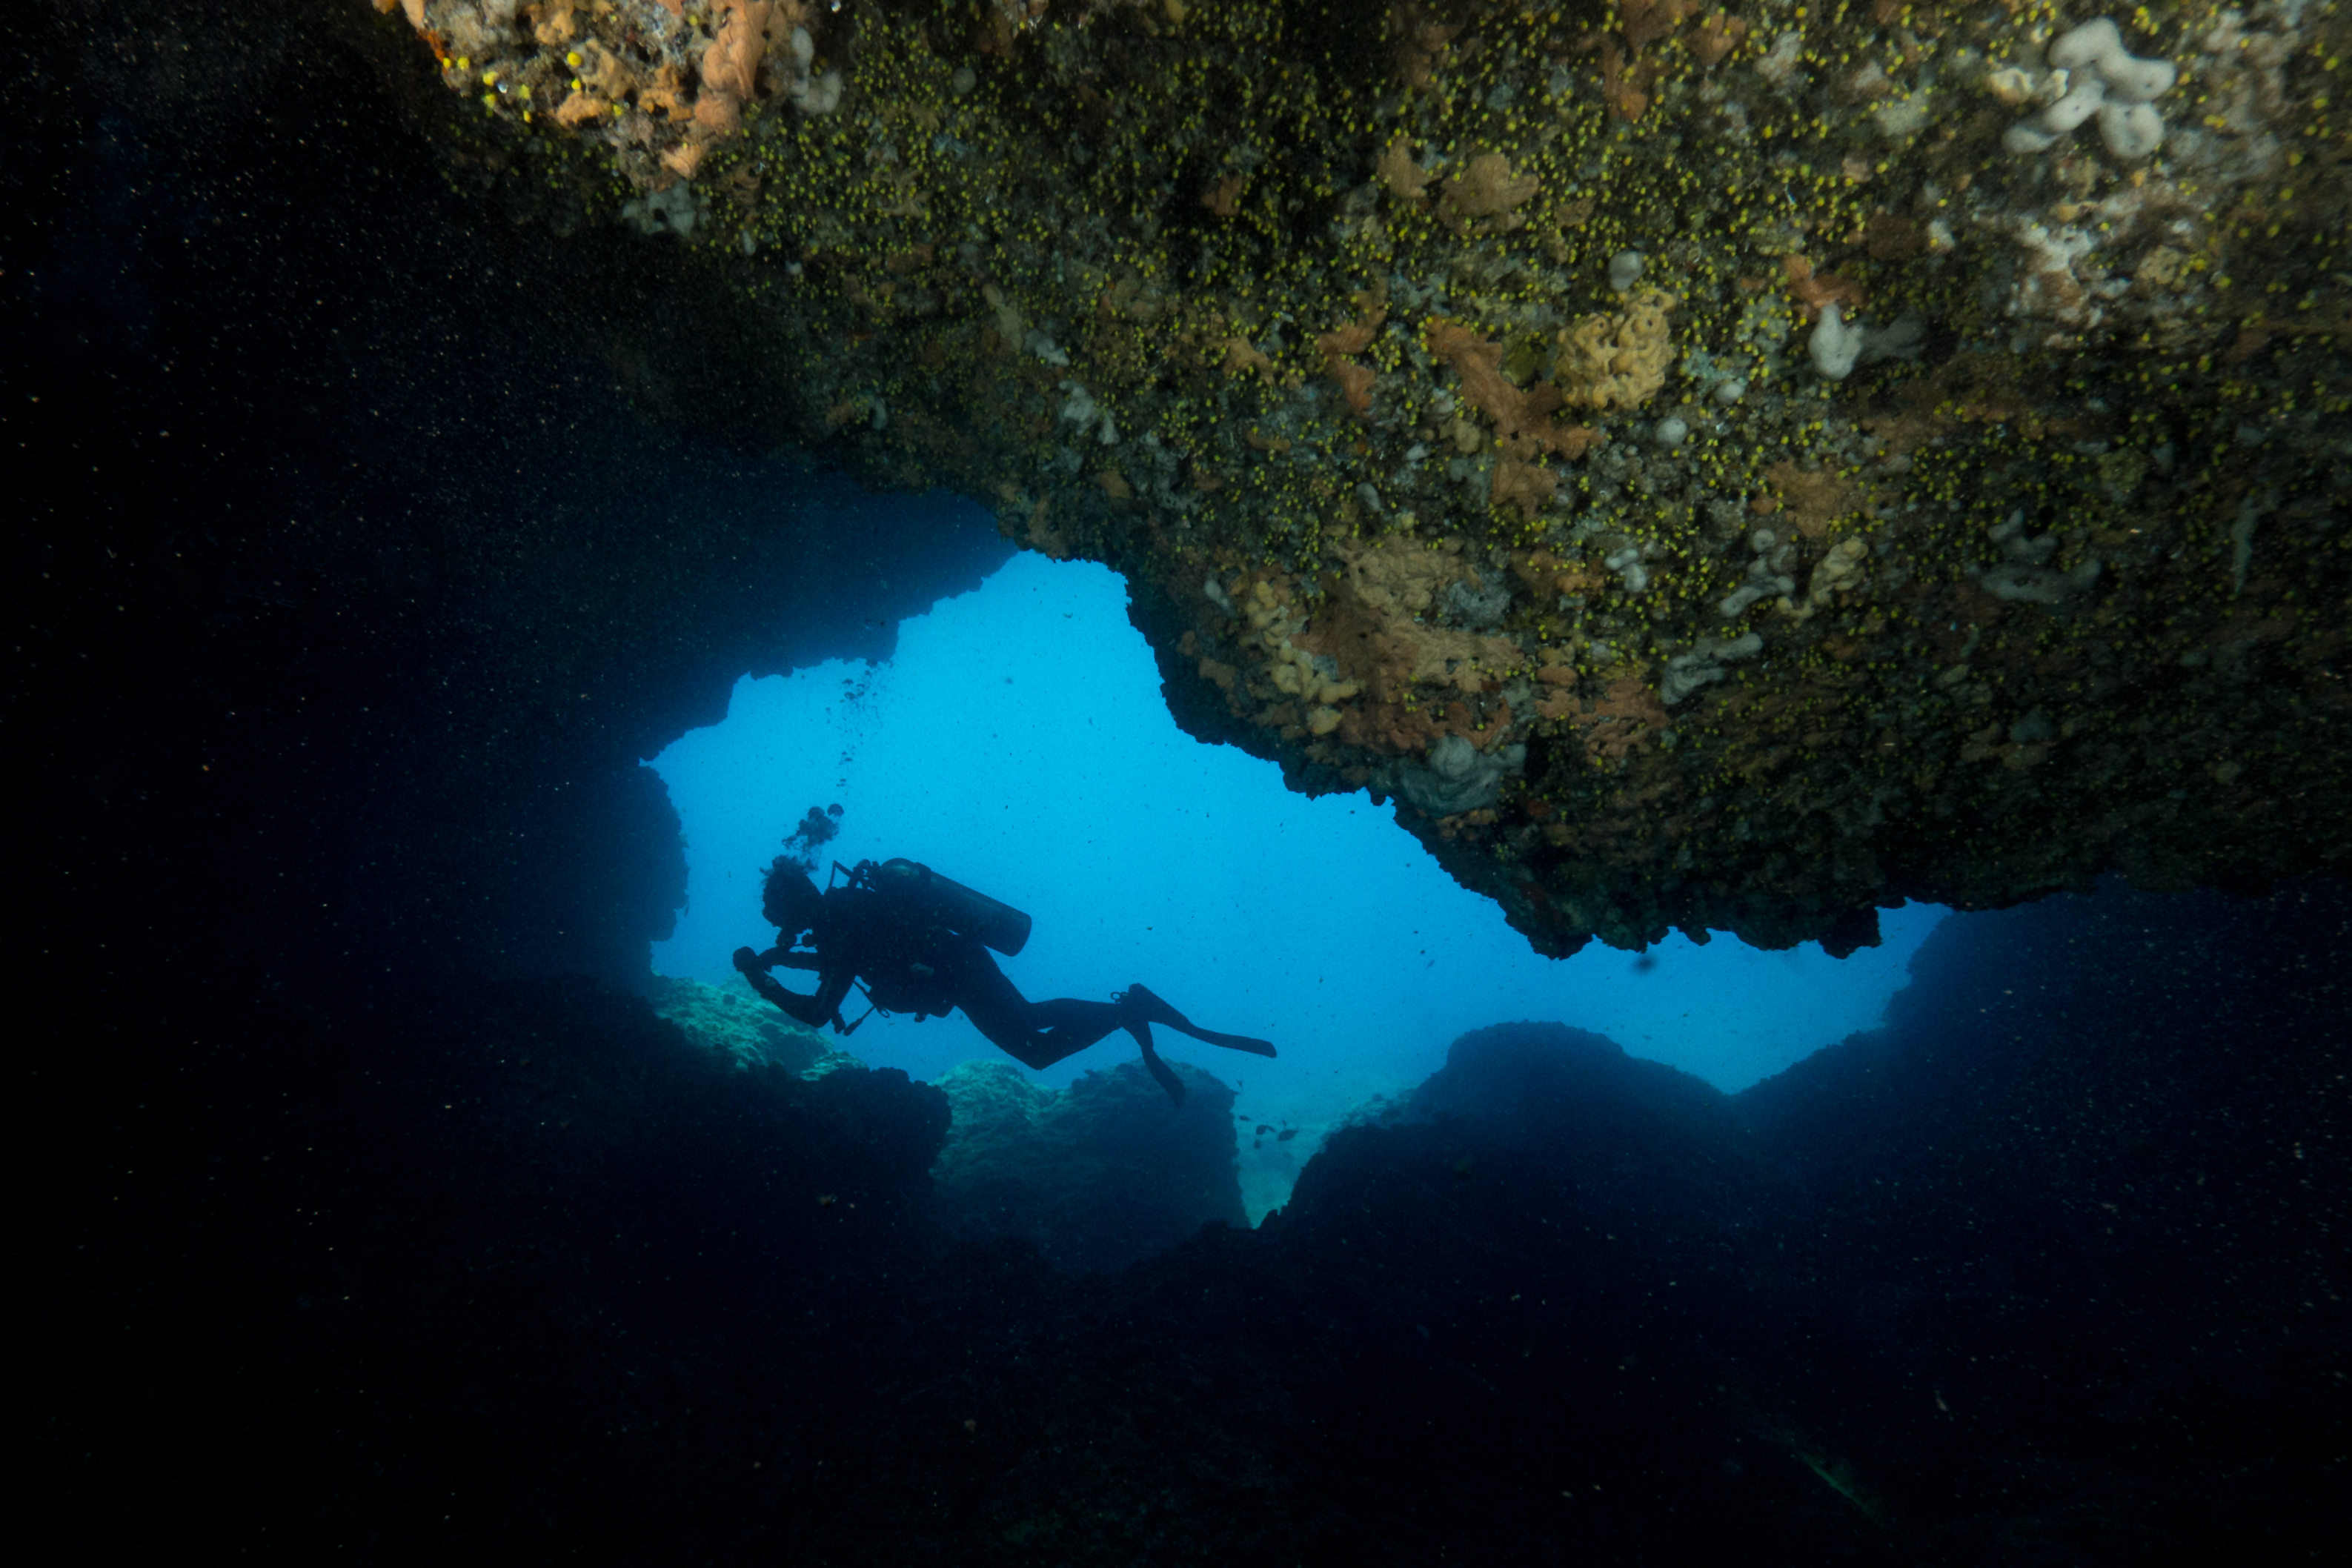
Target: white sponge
1838	345
2082	101
2131	130
1834	344
2105	81
2100	45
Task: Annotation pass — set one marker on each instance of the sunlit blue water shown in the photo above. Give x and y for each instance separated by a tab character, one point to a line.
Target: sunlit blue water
1017	741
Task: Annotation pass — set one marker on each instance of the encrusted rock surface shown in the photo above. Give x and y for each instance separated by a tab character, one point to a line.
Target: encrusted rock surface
737	1025
1308	319
1097	1174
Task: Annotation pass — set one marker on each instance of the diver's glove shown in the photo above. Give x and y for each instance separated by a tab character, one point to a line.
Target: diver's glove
747	963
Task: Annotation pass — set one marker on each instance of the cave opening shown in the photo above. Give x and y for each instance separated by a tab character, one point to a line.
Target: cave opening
1016	740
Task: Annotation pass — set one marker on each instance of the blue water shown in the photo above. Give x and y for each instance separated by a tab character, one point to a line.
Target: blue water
1018	742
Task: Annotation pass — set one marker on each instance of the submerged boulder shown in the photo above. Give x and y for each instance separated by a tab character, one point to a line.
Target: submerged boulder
1536	1082
1097	1174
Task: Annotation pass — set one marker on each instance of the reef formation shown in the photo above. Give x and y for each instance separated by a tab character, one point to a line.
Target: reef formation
1096	1177
1717	468
741	1028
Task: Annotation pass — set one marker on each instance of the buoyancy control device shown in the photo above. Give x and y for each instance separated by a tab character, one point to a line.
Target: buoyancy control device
943	902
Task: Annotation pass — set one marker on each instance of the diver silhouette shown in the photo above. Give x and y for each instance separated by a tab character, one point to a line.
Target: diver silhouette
917	942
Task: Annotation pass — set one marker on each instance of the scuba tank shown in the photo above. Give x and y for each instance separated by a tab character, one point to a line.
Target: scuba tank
963	911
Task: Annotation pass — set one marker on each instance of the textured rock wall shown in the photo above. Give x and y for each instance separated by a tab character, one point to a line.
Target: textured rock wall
1802	470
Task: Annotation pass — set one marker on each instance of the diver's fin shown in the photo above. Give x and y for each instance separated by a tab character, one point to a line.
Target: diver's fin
1233	1042
1154	1065
1142	1003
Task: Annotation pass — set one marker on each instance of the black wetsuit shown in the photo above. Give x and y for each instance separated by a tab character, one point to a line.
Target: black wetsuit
909	965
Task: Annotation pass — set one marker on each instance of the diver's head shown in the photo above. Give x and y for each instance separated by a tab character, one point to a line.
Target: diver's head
788	899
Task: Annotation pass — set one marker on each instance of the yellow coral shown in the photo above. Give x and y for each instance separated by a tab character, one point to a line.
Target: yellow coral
1308	679
1398	575
1294	672
1616	360
1372	629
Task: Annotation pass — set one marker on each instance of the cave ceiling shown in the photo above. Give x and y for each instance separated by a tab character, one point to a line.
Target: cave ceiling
1717	468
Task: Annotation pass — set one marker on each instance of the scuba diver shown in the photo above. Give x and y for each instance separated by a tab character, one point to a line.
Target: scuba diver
918	944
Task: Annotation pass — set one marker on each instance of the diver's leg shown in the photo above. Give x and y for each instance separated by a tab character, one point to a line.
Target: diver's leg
1064	1027
1139	1003
1039	1034
1071	1025
1035	1033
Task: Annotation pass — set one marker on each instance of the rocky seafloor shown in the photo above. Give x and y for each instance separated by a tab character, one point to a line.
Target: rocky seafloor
1095	1175
2045	1268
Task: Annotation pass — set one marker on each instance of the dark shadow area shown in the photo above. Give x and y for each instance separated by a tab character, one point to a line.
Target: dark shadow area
2040	1270
361	542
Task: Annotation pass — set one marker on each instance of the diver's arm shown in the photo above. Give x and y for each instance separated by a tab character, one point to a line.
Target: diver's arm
833	986
814	1010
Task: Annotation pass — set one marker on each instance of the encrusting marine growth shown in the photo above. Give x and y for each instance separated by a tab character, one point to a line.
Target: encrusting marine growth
1723	467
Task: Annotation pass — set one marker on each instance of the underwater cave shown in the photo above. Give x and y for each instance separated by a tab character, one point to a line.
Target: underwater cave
1793	871
1015	738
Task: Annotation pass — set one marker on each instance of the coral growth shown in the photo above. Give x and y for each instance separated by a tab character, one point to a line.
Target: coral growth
1477	375
739	1026
1355	379
1618	360
659	86
1486	198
